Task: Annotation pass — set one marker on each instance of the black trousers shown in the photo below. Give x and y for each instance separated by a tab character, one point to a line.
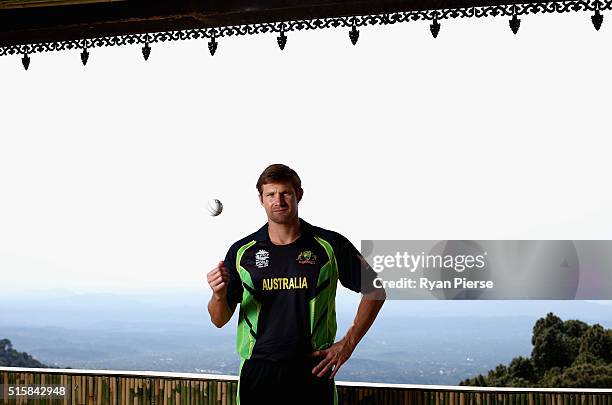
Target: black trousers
264	382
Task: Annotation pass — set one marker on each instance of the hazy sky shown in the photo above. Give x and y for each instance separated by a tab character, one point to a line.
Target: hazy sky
105	170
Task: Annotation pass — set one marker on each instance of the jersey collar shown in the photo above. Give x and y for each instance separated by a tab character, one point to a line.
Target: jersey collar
262	234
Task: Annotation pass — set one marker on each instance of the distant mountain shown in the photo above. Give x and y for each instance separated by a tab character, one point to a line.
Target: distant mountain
420	342
189	306
10	357
588	311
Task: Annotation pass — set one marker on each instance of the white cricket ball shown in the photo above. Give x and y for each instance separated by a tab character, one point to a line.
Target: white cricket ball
214	207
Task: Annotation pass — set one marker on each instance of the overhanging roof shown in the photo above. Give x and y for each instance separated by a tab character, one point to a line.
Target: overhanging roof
26	25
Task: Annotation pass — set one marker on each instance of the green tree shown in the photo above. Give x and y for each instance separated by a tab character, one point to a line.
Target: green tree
10	357
555	343
522	368
596	346
565	354
579	376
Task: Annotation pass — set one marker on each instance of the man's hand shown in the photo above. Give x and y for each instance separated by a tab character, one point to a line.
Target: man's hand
338	353
218	308
333	357
218	279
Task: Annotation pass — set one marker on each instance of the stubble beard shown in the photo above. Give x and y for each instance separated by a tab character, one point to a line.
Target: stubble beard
282	218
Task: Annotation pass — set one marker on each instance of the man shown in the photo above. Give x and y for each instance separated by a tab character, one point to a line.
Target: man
284	276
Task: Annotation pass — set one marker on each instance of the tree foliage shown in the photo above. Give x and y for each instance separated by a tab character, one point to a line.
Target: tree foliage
565	354
10	357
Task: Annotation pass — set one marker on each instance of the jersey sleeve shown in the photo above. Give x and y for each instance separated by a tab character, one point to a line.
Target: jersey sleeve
234	285
354	271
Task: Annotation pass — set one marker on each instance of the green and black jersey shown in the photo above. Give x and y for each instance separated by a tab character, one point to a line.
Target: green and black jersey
287	292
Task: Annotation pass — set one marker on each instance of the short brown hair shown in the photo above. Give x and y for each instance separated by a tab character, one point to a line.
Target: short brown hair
279	173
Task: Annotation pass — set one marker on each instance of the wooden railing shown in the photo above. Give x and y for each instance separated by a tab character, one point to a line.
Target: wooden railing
94	387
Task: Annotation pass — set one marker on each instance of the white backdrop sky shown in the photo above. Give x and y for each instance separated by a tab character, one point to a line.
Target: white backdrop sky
105	170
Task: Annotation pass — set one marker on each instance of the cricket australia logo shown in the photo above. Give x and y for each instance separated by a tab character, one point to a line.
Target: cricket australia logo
262	258
306	257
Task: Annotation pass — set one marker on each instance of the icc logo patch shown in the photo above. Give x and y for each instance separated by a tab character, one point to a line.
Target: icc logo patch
262	258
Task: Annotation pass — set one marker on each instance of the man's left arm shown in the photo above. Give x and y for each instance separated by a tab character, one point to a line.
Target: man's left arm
338	353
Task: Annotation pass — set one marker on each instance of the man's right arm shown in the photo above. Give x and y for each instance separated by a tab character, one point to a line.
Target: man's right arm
218	308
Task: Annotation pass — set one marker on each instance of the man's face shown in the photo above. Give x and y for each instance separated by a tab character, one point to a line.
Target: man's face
280	202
